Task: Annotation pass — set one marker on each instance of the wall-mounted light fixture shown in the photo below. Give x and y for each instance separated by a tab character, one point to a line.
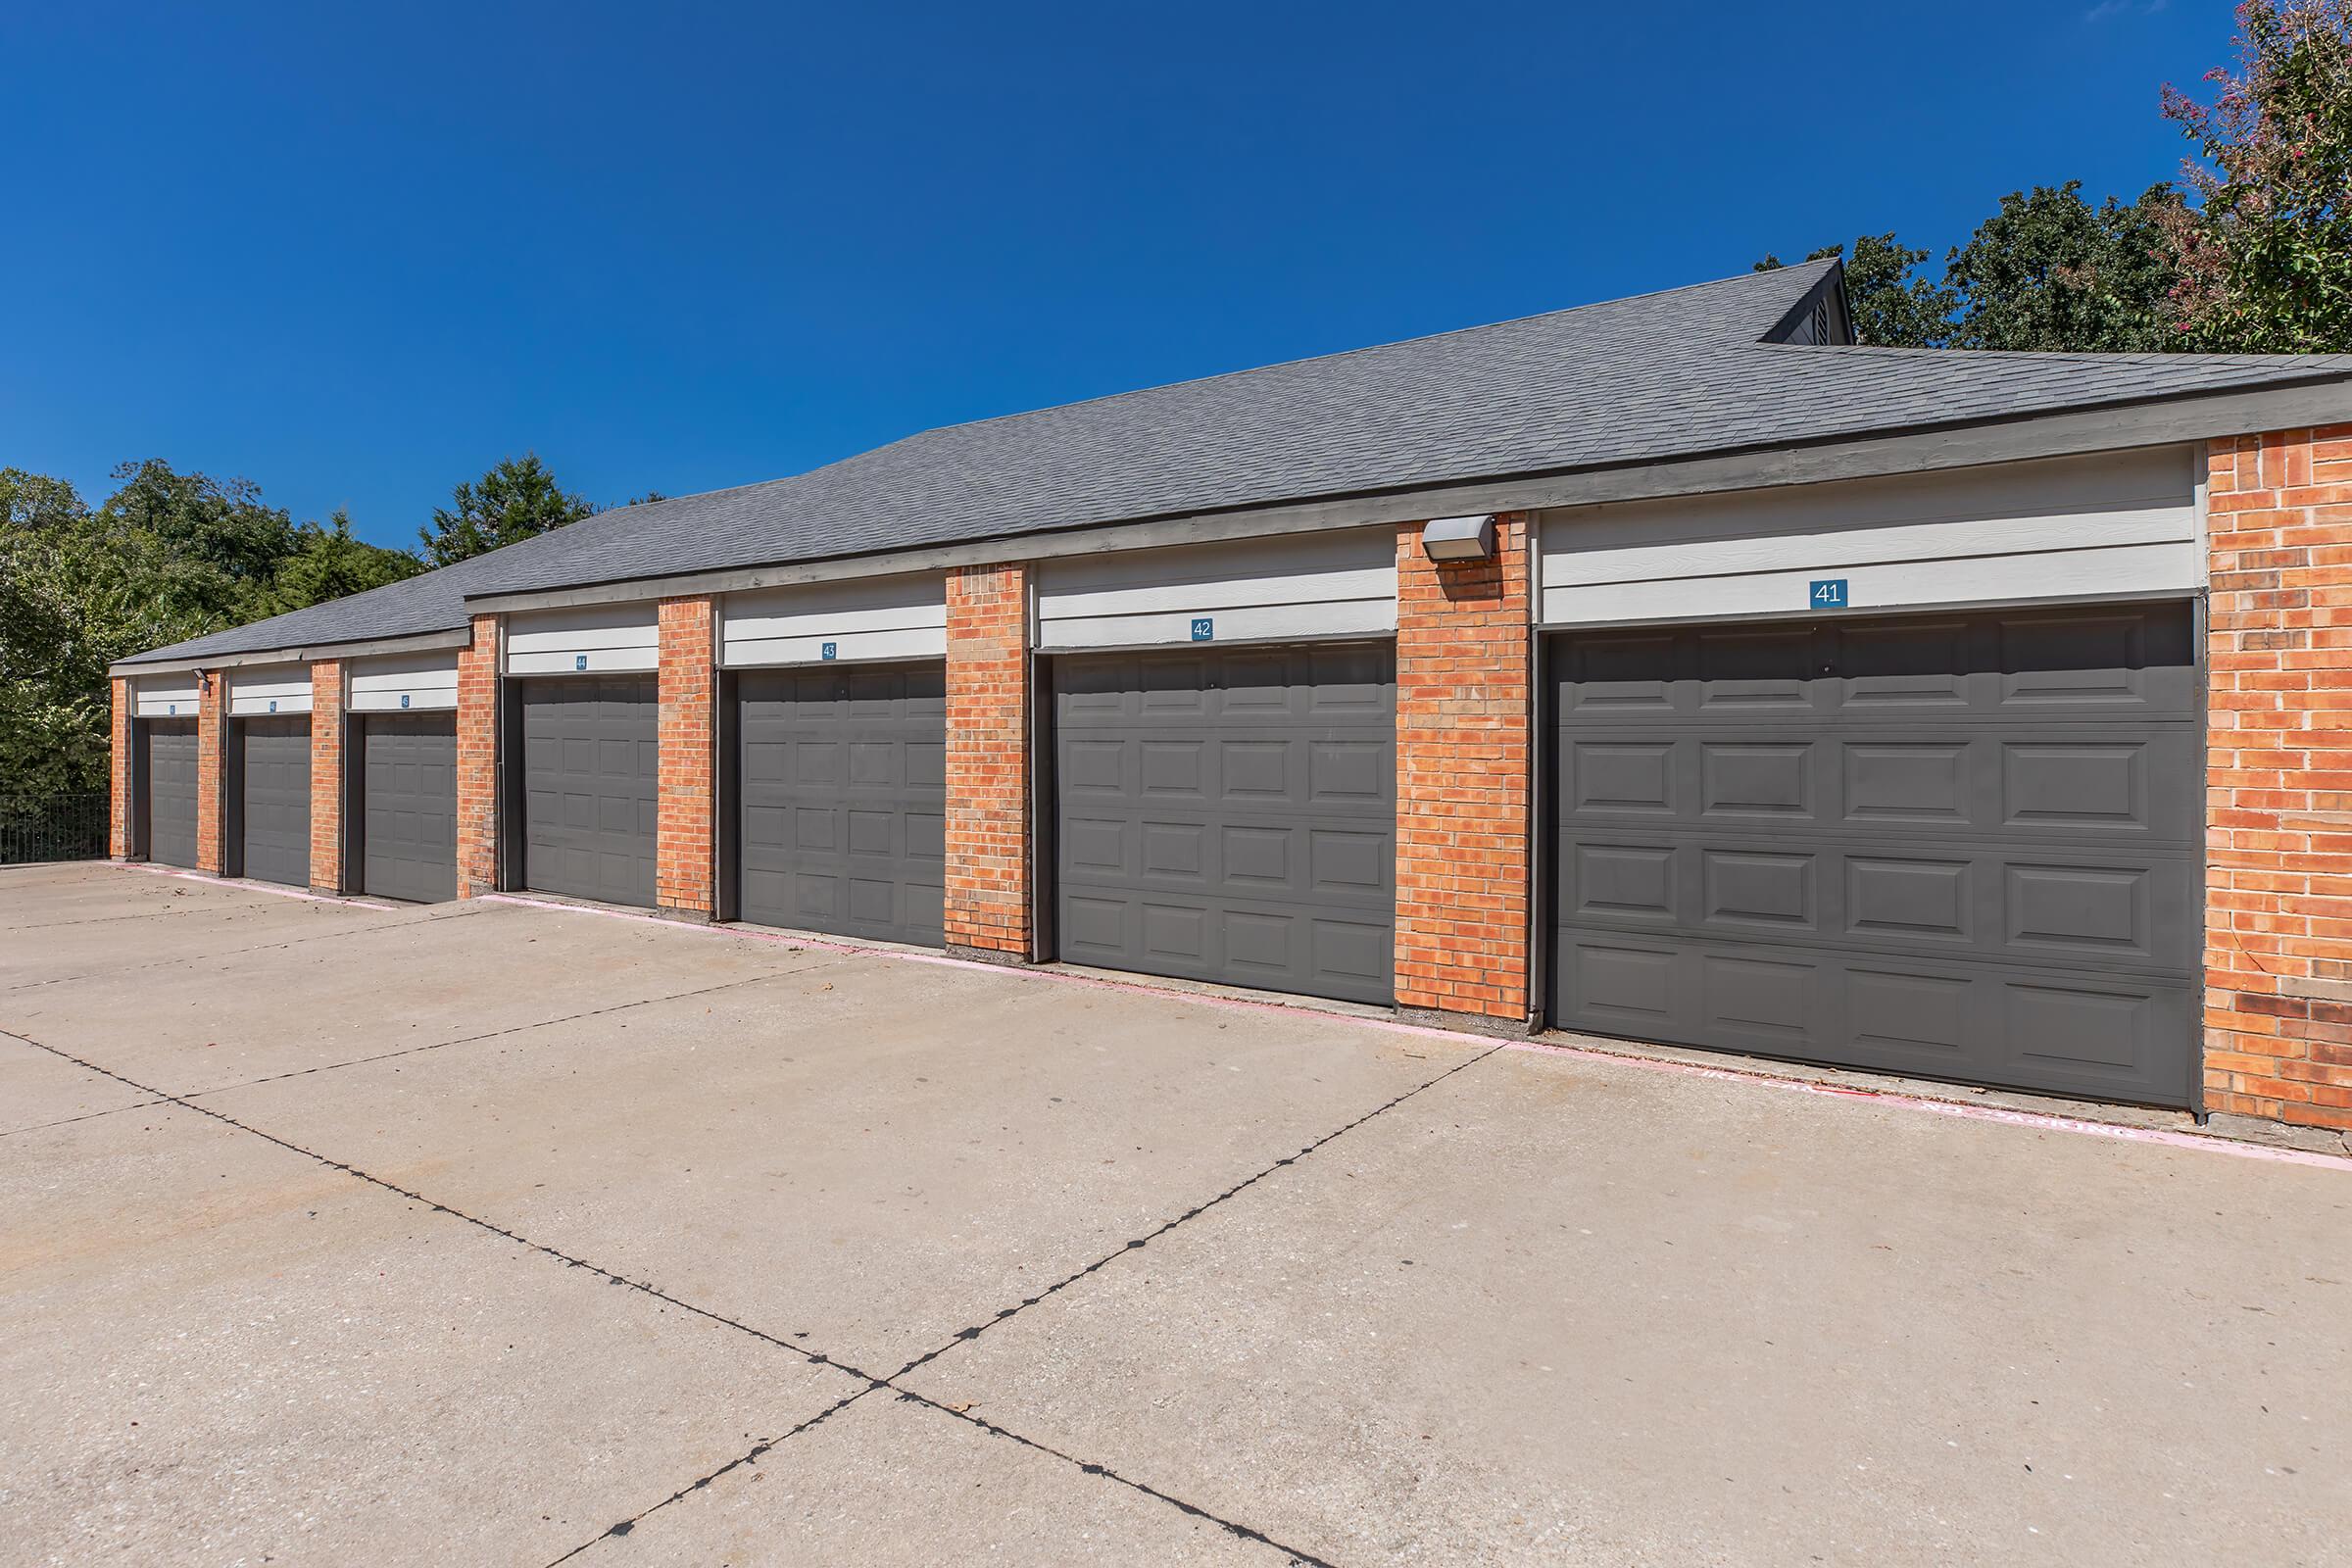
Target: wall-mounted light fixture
1448	539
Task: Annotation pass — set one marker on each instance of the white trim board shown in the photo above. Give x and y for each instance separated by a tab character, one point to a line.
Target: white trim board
566	642
269	689
411	682
868	620
2050	529
1259	590
164	696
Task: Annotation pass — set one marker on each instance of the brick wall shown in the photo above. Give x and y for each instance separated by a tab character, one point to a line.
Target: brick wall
326	776
988	759
477	760
2279	815
118	773
212	756
683	866
1463	720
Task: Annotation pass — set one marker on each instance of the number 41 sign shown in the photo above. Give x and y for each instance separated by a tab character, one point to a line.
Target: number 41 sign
1829	593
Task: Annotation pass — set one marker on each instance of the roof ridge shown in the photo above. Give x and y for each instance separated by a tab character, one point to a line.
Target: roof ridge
1819	265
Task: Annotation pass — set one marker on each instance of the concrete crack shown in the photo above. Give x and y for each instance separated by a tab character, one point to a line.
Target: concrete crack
209	958
418	1051
754	1455
871	1380
966	1335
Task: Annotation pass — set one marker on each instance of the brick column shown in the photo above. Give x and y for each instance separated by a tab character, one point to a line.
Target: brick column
2279	761
1463	718
988	763
326	776
684	868
477	760
119	771
212	772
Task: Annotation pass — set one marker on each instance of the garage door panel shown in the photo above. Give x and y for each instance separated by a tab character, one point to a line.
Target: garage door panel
843	822
2050	665
1959	845
2013	903
2120	783
275	765
1268	946
2059	1032
171	791
1257	854
409	806
1230	815
1747	779
591	762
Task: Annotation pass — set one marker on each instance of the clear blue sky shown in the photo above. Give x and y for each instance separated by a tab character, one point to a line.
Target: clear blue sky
360	257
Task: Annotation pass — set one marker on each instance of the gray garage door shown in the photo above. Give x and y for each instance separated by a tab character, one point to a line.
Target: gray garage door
590	749
844	800
1230	815
409	806
1960	847
275	815
172	790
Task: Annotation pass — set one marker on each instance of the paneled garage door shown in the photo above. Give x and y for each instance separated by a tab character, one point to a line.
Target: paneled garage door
844	800
1960	847
1230	815
409	806
172	790
590	758
276	816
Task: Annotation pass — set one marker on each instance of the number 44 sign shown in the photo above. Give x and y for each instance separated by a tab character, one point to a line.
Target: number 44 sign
1829	593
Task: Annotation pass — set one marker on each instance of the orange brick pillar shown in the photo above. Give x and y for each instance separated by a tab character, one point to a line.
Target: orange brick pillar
477	760
212	770
1463	720
988	763
326	776
119	773
2278	779
684	868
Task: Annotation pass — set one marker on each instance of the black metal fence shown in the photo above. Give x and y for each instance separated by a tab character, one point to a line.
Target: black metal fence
52	827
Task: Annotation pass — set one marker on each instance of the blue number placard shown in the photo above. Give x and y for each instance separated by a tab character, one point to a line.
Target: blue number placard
274	705
404	698
1205	629
1829	593
579	660
829	651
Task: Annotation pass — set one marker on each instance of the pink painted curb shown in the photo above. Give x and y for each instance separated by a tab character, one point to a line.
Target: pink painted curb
2042	1121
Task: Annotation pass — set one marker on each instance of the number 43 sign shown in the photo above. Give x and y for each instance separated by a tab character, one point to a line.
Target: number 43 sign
1829	593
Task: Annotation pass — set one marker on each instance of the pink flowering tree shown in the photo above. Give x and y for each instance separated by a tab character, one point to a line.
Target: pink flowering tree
2265	252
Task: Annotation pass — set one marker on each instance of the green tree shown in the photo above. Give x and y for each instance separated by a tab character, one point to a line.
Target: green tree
34	503
79	590
328	563
221	525
516	500
2265	257
2049	271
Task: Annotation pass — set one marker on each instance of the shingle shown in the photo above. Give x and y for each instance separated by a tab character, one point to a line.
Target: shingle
1672	374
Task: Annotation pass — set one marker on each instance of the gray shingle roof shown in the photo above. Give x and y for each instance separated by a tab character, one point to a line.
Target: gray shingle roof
1664	375
434	601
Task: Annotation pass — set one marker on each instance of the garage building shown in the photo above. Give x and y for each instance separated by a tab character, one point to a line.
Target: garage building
1669	669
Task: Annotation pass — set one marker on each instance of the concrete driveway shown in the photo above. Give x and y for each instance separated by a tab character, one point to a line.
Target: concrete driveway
494	1234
